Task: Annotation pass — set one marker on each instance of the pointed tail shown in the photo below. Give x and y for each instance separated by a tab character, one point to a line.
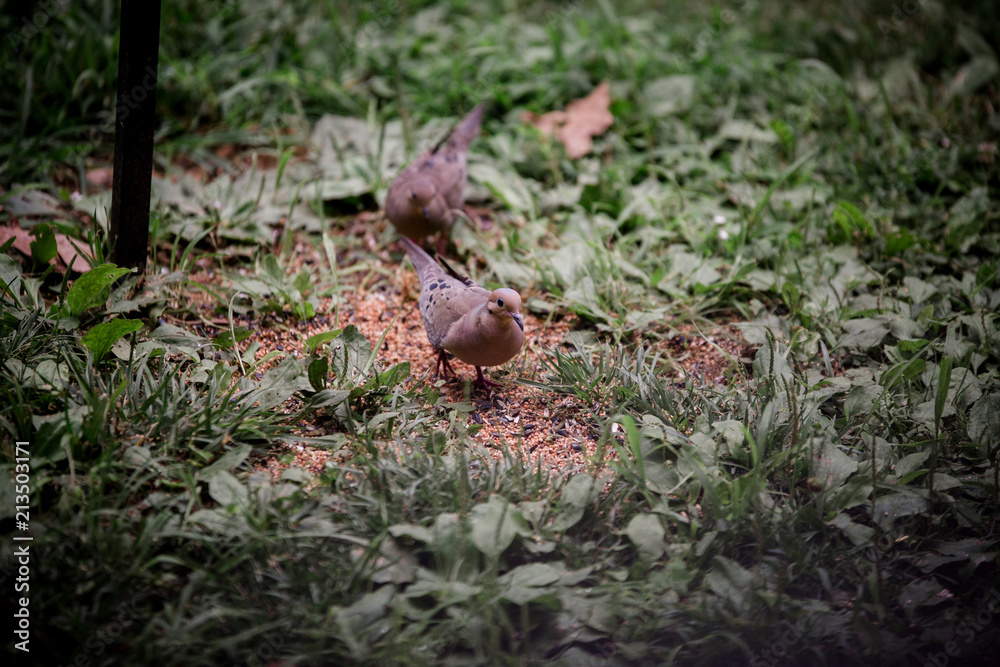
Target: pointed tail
466	130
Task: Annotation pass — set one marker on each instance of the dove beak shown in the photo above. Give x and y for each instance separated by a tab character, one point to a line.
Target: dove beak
517	318
426	215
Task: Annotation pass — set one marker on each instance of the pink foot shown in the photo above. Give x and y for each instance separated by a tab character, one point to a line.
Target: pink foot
484	381
443	367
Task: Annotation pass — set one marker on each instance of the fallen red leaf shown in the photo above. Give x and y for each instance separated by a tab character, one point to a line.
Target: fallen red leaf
582	120
71	252
101	177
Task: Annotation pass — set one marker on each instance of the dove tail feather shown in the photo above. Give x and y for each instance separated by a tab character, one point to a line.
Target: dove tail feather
455	274
466	130
421	260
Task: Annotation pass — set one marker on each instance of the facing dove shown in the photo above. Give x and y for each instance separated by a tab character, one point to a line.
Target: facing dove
480	327
424	196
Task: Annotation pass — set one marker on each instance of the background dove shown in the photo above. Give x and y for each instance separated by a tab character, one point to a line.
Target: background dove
479	327
425	194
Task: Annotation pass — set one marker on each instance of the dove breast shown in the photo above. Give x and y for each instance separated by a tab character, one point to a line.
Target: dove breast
491	334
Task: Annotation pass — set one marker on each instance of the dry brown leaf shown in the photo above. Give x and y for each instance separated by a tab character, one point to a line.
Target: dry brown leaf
68	249
22	238
73	253
582	120
101	177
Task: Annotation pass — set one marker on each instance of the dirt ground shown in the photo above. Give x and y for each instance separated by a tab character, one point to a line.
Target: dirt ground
558	429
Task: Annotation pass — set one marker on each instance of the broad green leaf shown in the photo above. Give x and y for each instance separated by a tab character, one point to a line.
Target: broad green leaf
830	466
856	491
975	549
495	524
448	534
44	247
317	373
943	482
228	461
412	531
897	505
770	363
281	383
733	435
862	333
855	532
905	370
910	463
393	376
314	341
219	520
446	592
669	95
529	582
227	490
92	288
919	290
966	219
730	581
986	275
225	339
354	624
905	329
576	496
506	185
533	511
349	354
103	336
912	346
647	533
921	593
330	398
984	422
745	130
860	400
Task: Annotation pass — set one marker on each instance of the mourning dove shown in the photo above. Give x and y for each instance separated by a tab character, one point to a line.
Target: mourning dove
479	327
424	196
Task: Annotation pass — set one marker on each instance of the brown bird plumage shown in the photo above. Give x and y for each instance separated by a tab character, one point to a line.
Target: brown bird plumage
479	327
424	196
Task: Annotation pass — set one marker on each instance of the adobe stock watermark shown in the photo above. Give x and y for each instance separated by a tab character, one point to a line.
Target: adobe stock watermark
44	13
491	73
902	12
269	649
22	551
726	17
126	103
967	631
104	638
777	653
18	38
366	34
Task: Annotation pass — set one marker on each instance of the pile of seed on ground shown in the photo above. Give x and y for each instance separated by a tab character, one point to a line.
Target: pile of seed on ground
559	430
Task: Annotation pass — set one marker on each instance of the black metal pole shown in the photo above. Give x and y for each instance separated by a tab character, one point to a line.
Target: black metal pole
139	44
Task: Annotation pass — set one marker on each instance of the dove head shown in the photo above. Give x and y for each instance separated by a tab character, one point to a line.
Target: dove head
422	191
505	306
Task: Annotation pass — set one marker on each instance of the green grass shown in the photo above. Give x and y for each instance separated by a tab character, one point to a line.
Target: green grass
825	179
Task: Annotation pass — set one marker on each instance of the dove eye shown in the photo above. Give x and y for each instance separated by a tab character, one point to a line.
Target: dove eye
500	302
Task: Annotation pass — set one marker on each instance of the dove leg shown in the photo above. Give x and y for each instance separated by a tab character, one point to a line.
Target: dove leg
484	381
442	243
442	364
485	224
